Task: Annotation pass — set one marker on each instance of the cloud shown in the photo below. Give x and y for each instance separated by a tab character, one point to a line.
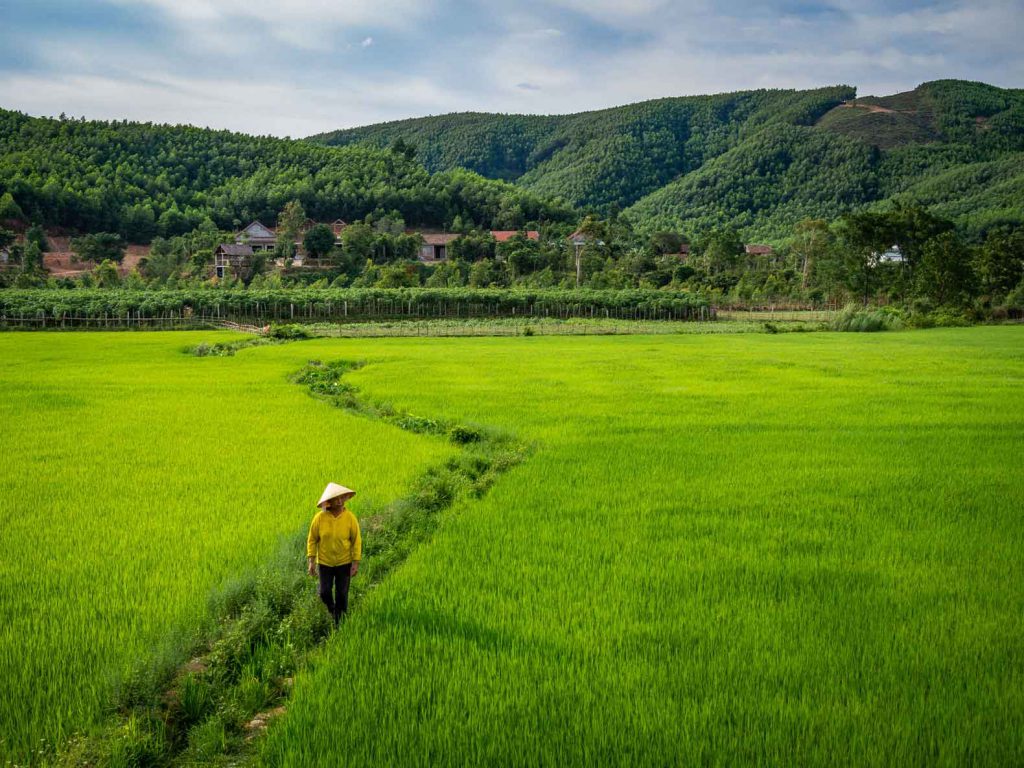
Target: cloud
310	24
278	108
312	65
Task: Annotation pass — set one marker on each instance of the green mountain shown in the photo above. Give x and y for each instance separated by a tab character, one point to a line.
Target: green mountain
755	160
142	179
613	156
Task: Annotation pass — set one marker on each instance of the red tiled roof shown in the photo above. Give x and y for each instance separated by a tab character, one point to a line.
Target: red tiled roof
758	250
501	235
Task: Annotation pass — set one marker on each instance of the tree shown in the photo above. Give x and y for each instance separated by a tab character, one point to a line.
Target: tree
35	234
401	147
485	273
98	247
472	247
446	275
944	271
9	209
398	276
357	242
666	242
812	240
999	262
318	241
32	259
172	222
861	237
721	250
138	223
7	236
166	258
290	222
133	281
910	227
106	275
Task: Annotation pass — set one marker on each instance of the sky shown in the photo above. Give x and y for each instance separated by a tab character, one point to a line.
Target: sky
299	67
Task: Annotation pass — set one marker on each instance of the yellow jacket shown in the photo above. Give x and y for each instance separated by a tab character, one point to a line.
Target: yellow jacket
334	540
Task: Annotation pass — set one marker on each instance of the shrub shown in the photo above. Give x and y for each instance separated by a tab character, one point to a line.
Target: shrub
462	435
290	332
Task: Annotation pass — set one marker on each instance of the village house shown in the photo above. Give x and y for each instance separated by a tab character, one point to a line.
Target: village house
760	257
257	236
435	246
260	238
230	258
6	260
892	256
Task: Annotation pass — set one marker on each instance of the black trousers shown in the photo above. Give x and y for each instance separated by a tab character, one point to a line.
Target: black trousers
334	581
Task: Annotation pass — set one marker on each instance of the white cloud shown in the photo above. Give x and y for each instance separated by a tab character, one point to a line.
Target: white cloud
279	108
309	24
367	42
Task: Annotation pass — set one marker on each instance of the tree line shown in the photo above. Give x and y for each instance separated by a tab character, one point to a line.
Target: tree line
904	256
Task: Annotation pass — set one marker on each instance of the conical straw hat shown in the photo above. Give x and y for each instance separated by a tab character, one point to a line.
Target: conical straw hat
332	491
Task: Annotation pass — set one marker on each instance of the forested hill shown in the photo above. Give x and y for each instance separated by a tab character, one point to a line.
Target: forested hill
755	160
613	156
142	179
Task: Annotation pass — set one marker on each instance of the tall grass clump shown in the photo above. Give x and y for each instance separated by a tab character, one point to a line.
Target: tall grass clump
855	318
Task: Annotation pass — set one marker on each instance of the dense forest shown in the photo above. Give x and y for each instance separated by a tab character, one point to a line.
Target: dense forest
142	180
596	159
757	161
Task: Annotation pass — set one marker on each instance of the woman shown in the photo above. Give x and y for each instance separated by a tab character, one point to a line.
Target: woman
334	544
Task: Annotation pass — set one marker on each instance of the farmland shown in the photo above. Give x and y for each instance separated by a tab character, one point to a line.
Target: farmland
748	548
138	480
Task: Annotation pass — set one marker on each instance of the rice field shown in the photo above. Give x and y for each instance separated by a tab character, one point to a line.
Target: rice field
136	480
772	549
